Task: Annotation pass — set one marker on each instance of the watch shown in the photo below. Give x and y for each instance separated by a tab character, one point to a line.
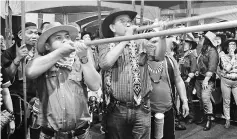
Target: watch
84	59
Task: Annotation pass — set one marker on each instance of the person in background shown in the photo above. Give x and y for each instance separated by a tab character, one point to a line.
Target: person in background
187	65
7	104
207	62
78	37
228	73
2	43
12	60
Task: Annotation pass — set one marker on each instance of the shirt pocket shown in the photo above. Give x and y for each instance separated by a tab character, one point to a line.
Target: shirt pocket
75	76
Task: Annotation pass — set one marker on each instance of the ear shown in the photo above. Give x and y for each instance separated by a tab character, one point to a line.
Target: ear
47	46
20	35
111	26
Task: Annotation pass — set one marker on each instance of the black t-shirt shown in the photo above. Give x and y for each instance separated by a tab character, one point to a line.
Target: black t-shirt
17	85
6	81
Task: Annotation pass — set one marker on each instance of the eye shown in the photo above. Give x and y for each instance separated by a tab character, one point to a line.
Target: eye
67	37
58	38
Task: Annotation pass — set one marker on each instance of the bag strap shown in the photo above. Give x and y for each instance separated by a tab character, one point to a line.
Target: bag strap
172	81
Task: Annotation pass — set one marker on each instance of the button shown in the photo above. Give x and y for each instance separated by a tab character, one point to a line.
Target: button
63	96
61	84
60	73
64	121
78	79
64	108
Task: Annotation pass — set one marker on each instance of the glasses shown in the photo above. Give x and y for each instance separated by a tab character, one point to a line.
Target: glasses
125	22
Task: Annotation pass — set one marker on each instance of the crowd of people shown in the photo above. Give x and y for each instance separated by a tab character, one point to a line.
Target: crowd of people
131	80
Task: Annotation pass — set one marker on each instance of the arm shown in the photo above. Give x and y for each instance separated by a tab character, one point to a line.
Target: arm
226	64
212	63
7	99
108	57
41	64
91	76
193	62
160	49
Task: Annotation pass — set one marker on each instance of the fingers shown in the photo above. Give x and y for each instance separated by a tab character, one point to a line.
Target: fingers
23	46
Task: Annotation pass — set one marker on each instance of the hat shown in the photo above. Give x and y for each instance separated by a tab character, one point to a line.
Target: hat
211	36
229	40
50	30
107	33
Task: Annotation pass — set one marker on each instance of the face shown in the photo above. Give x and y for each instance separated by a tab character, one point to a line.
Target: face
232	47
120	24
2	43
31	36
186	46
86	37
57	40
218	40
78	38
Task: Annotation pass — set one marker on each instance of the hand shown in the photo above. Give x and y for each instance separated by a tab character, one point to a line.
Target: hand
152	44
66	49
162	25
11	127
185	109
22	52
81	49
181	60
130	30
187	80
204	84
196	73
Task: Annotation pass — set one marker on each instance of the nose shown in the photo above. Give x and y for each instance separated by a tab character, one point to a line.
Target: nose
128	24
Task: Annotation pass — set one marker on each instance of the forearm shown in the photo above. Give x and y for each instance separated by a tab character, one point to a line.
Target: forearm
181	89
41	64
7	99
160	50
112	56
208	76
12	69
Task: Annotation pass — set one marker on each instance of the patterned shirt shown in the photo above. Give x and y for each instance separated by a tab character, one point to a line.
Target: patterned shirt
188	64
208	61
122	87
225	60
63	97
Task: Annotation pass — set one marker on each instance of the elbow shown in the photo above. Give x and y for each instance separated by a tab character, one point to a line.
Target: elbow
30	74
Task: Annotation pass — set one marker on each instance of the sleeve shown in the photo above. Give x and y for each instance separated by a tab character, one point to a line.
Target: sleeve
224	61
7	58
6	81
193	61
213	60
103	51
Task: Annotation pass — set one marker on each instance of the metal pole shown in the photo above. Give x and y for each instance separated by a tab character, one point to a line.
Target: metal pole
194	18
99	16
24	64
142	13
189	8
134	9
205	27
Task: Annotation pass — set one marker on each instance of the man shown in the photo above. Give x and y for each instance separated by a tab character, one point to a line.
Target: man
165	76
12	61
63	72
78	37
187	63
126	80
2	43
